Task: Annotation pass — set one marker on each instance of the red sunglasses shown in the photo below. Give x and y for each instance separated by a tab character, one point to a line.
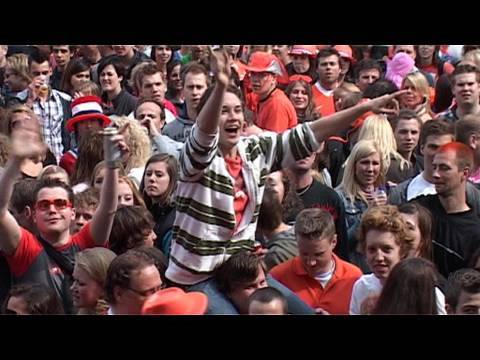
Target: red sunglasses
60	204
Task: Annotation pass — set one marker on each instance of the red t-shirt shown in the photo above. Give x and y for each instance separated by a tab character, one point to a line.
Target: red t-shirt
324	104
234	167
276	112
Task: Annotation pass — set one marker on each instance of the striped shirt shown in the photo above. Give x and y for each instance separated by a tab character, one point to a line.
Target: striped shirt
52	120
204	231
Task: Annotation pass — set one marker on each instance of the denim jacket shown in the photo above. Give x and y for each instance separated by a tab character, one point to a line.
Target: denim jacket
353	214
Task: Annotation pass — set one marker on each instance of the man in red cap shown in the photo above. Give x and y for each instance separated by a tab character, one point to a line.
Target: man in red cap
303	63
274	111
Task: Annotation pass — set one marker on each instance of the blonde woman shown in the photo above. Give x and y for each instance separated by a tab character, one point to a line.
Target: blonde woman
377	128
418	96
89	276
361	188
139	145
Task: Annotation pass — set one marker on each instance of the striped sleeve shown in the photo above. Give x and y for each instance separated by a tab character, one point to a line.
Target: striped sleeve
198	152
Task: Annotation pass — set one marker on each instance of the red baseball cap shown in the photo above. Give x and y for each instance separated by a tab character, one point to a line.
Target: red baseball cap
175	301
310	50
345	51
264	62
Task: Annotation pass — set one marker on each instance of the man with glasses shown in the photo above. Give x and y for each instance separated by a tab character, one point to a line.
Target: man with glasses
132	278
274	110
48	257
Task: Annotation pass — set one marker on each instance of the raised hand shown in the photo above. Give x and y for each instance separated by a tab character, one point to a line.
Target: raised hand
220	65
27	141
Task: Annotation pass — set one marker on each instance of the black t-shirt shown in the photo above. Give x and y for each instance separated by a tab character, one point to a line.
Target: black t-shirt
122	105
321	196
456	236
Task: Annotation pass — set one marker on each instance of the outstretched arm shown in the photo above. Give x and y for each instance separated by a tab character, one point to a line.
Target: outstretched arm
333	124
26	143
102	220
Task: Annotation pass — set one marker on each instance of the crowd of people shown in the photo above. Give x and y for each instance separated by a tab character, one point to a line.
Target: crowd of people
240	179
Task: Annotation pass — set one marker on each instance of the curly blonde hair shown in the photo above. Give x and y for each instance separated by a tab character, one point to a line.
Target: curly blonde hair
137	140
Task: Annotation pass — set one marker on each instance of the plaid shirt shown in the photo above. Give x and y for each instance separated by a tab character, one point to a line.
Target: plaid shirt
52	120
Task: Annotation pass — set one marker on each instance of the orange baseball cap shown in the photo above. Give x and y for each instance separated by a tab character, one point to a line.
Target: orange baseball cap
264	62
345	51
175	301
310	50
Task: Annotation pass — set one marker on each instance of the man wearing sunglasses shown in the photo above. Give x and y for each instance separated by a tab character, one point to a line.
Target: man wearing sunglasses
53	212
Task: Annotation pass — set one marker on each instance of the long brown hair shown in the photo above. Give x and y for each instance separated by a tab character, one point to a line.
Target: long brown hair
424	217
172	170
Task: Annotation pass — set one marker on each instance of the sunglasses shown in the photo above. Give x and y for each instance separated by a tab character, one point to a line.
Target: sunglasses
60	204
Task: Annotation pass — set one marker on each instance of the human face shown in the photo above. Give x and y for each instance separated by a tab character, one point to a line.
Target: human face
14	81
426	51
53	221
412	98
124	50
125	195
366	77
85	290
153	87
316	254
275	182
175	81
280	51
163	54
198	51
414	230
447	177
407	49
328	69
274	307
143	284
149	238
16	305
262	82
299	97
109	79
62	55
468	304
301	64
382	252
98	179
151	112
231	122
466	89
40	73
367	170
156	179
193	89
87	126
240	295
79	79
429	149
407	134
344	65
82	217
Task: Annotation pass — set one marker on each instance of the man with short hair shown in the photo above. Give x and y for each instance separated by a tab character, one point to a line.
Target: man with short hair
22	203
50	105
62	55
456	224
86	203
328	70
317	275
132	278
239	277
367	71
195	82
462	295
465	81
129	57
267	301
274	111
48	257
406	129
467	131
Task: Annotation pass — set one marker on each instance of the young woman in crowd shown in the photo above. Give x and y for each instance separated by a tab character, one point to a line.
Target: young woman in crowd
77	73
300	94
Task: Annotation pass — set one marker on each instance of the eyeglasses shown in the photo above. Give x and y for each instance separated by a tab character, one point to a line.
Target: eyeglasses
149	292
60	204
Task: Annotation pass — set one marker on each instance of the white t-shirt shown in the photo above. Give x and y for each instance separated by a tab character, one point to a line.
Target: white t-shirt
369	284
419	186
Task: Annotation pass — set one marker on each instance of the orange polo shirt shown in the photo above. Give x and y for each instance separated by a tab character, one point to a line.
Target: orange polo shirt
276	112
334	298
324	103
